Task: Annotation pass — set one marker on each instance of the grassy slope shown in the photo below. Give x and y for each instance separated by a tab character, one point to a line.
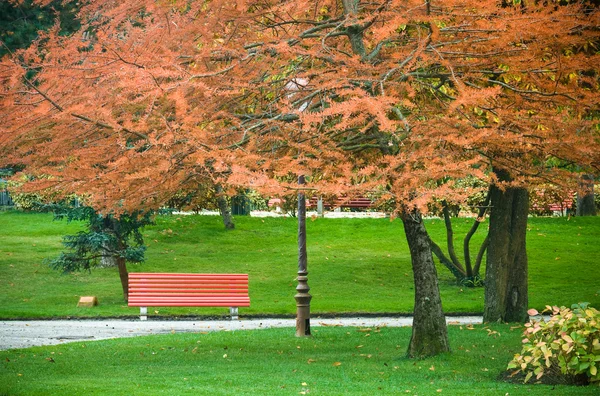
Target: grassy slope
355	265
335	361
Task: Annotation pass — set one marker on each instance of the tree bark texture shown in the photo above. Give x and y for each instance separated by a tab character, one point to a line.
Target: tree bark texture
107	260
585	196
429	333
124	275
224	208
506	291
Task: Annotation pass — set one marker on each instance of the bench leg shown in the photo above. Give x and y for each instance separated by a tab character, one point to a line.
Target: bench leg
143	313
233	311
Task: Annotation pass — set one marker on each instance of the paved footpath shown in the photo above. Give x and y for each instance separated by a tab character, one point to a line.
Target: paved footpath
24	334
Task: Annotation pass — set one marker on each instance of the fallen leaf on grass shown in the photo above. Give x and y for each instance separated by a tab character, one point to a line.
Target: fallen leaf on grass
515	327
311	361
337	364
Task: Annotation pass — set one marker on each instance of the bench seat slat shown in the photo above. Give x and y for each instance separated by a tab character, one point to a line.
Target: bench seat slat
190	287
187	298
150	275
171	292
167	292
183	304
182	281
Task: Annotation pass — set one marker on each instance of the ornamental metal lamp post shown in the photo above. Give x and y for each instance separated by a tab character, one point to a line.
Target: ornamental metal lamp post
302	296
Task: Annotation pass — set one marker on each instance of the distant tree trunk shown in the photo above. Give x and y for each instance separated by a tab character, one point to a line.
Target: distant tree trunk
224	208
585	196
429	333
107	260
124	275
506	294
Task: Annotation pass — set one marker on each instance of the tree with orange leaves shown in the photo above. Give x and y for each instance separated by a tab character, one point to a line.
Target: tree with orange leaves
400	99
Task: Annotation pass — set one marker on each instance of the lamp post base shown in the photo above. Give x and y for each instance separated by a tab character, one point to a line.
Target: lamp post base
303	306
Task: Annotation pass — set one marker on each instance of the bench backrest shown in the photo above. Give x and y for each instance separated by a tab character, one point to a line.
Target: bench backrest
180	290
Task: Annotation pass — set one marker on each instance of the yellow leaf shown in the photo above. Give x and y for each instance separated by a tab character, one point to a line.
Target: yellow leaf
336	364
311	361
304	384
593	370
432	368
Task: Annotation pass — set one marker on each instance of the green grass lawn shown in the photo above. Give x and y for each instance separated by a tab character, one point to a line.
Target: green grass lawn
335	361
355	265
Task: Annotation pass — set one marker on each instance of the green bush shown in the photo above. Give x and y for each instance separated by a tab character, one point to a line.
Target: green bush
568	343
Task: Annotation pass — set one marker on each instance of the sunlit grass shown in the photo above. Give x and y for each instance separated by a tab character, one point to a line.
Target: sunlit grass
334	361
355	265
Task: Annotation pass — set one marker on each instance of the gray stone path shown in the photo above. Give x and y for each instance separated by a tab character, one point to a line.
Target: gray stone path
24	334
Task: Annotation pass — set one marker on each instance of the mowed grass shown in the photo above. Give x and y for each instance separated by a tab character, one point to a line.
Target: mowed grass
355	265
335	361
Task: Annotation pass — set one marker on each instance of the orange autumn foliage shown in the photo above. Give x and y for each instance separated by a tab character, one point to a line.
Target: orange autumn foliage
399	98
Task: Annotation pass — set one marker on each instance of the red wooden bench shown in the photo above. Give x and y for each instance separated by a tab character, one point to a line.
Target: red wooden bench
188	290
360	202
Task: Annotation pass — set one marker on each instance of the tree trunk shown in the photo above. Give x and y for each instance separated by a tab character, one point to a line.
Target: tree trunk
585	196
124	275
429	333
506	295
107	260
224	208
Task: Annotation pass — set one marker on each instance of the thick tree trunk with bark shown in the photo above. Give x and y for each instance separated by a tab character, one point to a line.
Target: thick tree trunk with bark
585	196
224	208
429	333
124	275
506	294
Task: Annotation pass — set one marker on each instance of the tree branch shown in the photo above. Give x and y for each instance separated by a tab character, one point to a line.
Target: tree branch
474	227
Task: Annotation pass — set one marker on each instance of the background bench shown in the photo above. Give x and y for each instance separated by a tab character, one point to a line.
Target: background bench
188	290
359	203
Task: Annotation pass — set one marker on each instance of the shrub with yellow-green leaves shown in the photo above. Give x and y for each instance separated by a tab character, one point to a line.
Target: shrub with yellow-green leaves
568	344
